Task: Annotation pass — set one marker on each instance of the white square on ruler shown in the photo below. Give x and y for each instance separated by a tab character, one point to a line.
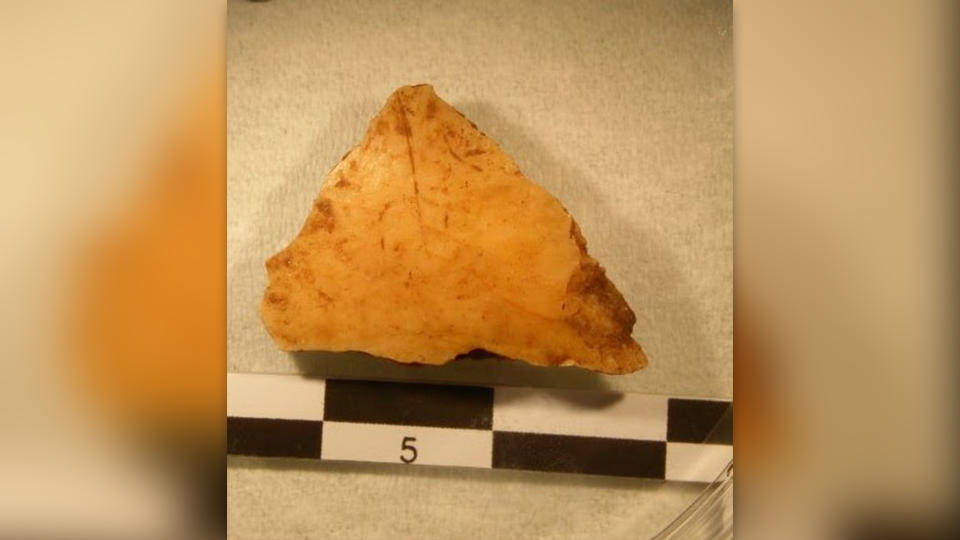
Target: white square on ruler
407	444
589	414
690	462
260	395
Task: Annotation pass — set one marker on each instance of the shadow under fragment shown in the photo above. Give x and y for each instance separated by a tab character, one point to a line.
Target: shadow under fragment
475	369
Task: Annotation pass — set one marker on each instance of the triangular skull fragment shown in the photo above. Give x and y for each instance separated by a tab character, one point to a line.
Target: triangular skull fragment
426	242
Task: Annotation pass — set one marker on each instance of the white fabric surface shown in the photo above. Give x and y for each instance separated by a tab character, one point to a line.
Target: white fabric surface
623	110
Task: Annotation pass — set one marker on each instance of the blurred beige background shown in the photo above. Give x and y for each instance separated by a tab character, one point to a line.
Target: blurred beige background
624	111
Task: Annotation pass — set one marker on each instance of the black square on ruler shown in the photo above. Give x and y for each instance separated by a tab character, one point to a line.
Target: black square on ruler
699	421
409	404
576	454
274	437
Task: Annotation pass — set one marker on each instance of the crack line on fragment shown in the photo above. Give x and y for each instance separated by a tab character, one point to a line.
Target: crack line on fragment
407	133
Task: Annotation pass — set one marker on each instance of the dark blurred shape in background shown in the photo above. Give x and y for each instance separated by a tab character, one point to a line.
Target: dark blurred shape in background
113	390
845	264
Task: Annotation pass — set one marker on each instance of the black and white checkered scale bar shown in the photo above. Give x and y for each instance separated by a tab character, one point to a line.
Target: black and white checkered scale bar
536	429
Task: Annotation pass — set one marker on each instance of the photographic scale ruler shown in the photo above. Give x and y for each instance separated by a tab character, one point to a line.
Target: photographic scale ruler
501	427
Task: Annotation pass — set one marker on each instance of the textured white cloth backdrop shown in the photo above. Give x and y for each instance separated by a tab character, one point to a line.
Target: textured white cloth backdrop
622	110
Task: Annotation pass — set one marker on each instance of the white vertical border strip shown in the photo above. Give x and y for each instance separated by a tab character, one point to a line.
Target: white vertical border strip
582	413
260	395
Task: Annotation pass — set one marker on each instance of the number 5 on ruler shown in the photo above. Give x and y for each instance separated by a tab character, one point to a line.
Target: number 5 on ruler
419	445
405	456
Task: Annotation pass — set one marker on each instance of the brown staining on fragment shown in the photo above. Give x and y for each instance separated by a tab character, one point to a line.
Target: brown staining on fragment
413	165
323	297
322	217
476	168
554	359
474	126
273	263
384	210
277	300
449	147
475	152
403	128
603	319
305	275
446	220
403	125
382	247
578	237
430	201
339	252
342	182
431	108
280	259
381	127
